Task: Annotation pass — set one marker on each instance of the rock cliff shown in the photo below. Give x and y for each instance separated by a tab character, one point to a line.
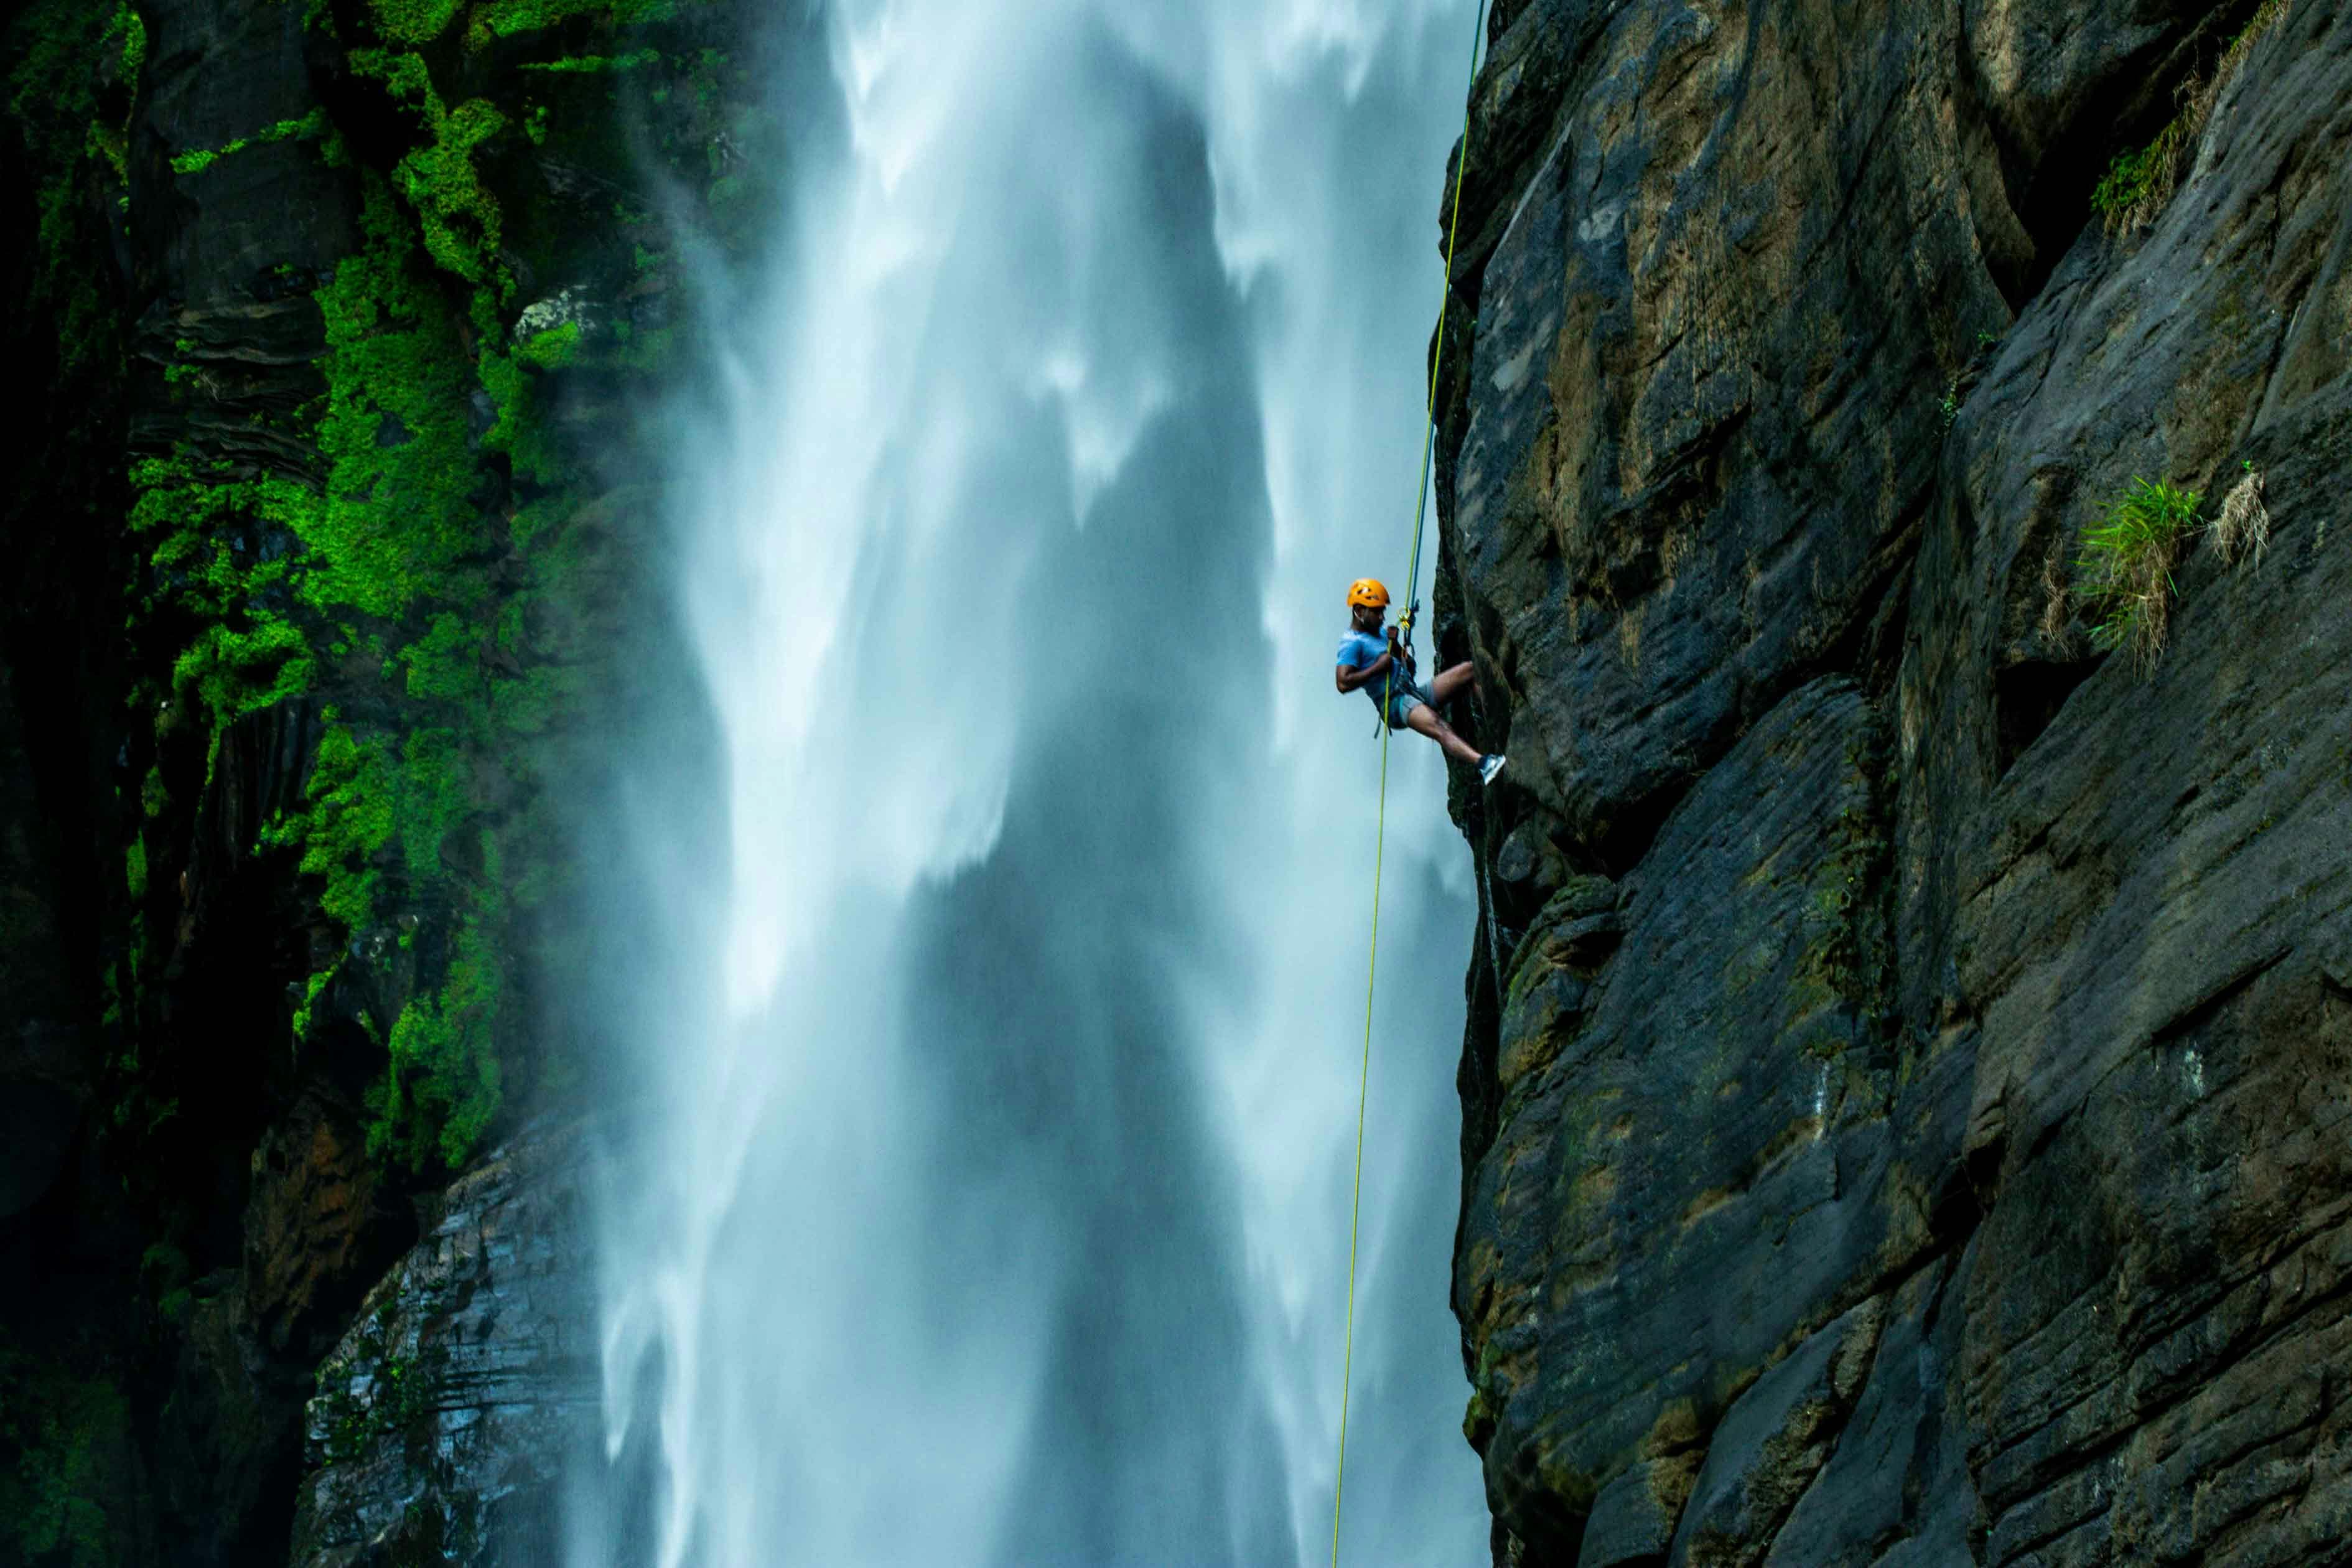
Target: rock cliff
326	525
464	1398
1910	1041
1888	484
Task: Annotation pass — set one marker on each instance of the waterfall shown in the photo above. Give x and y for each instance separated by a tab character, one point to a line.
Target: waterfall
986	1199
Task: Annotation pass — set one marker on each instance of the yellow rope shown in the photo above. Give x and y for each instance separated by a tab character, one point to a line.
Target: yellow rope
1380	848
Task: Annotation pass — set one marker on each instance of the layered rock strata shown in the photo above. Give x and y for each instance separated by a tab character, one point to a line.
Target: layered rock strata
450	1419
1908	1074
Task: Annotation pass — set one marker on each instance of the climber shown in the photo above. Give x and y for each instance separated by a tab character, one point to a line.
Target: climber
1385	671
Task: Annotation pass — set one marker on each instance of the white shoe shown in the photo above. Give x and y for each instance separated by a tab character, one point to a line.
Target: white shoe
1488	766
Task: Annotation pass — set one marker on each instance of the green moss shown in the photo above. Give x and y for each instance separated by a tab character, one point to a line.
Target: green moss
311	127
235	672
379	1388
446	1081
446	662
505	18
347	814
1837	990
318	983
460	219
550	350
397	521
58	1426
53	97
127	31
519	431
414	21
389	579
134	869
593	65
205	564
640	353
392	538
526	707
433	798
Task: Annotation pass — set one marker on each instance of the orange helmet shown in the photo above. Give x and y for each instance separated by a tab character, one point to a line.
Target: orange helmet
1366	591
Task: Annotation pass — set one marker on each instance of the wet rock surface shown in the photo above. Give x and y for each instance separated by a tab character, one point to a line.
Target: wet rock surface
1935	1154
446	1421
326	532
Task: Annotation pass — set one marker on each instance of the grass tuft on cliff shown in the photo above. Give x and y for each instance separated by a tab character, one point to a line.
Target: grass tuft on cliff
2243	531
2139	184
2125	571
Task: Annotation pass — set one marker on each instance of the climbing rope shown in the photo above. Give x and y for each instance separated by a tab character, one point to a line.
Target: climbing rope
1380	844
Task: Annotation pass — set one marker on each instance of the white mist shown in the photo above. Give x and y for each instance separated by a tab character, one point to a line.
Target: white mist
988	1203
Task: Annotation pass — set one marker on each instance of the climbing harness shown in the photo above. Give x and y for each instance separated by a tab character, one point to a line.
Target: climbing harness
1371	967
1380	725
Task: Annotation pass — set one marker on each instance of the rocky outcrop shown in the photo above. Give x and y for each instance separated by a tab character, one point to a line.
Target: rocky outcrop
1931	1149
449	1418
325	531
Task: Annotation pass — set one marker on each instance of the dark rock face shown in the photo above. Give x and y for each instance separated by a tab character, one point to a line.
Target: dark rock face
1664	1123
45	1057
327	512
448	1419
1934	1152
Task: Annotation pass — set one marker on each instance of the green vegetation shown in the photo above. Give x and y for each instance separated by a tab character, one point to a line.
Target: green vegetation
591	65
397	521
378	559
505	18
311	127
2125	569
2141	182
55	98
274	575
461	220
2138	183
55	1430
446	1081
129	26
126	37
204	565
379	1388
1840	967
414	21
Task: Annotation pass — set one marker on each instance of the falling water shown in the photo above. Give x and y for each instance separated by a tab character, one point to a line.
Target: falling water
988	1193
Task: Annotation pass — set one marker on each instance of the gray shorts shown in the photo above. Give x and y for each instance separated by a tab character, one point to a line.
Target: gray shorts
1402	698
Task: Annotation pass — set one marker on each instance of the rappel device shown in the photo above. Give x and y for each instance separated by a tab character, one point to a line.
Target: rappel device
1403	629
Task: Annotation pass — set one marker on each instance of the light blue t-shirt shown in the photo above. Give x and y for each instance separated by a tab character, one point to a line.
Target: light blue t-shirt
1358	650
